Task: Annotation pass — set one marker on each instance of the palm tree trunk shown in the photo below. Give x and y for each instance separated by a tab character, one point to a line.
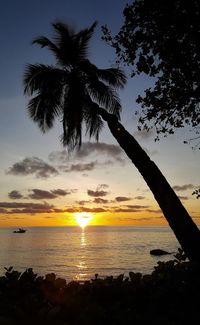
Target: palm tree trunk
185	230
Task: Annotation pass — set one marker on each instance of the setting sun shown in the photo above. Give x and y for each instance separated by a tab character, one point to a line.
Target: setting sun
83	218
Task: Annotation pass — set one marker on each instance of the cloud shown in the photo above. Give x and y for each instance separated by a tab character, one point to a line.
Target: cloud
144	134
15	195
130	208
59	156
83	202
99	200
183	187
100	191
154	211
93	210
85	209
32	166
38	194
139	197
137	206
2	210
60	192
88	148
29	208
82	167
122	198
41	194
150	152
125	210
183	197
102	186
97	193
10	205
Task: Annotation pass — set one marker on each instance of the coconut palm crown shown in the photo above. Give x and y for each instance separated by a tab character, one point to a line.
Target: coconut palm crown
73	89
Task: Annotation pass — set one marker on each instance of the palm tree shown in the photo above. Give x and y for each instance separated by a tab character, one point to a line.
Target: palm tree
82	95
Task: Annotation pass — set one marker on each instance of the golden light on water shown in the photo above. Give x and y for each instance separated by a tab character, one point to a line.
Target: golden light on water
83	218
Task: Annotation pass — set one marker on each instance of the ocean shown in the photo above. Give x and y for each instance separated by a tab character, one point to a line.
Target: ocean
76	254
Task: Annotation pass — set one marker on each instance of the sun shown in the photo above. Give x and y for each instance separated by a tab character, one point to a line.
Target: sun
83	218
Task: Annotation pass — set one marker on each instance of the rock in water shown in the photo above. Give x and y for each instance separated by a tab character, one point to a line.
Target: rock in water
158	252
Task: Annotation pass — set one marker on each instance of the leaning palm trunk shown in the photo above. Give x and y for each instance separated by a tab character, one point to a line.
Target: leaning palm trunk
185	230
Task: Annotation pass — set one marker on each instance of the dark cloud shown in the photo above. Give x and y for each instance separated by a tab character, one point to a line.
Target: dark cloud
143	134
139	197
183	187
2	210
99	200
88	148
100	191
60	192
38	194
83	202
183	197
122	198
83	167
41	194
137	206
15	195
154	211
84	209
9	205
94	210
58	210
79	167
125	210
59	156
97	193
32	166
130	208
29	208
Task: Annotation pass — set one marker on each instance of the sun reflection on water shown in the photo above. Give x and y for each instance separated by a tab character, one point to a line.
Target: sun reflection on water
82	266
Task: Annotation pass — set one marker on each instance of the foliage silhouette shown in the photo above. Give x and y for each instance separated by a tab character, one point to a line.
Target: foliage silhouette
161	39
169	295
80	94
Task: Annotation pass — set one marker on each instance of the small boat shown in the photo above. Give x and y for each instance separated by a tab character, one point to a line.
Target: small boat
19	231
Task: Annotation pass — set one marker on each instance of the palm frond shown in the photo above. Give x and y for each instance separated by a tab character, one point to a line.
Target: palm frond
104	95
93	121
40	76
77	91
113	76
73	113
45	106
82	41
65	39
45	42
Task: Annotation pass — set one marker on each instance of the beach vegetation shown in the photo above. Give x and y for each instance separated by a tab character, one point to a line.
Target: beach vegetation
169	295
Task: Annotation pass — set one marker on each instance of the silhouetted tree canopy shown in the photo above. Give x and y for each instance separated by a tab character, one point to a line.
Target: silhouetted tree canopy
162	40
72	89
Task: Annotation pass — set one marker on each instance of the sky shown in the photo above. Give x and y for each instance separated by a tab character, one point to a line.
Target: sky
41	184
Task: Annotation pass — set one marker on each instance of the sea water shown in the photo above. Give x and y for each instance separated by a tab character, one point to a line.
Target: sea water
78	254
